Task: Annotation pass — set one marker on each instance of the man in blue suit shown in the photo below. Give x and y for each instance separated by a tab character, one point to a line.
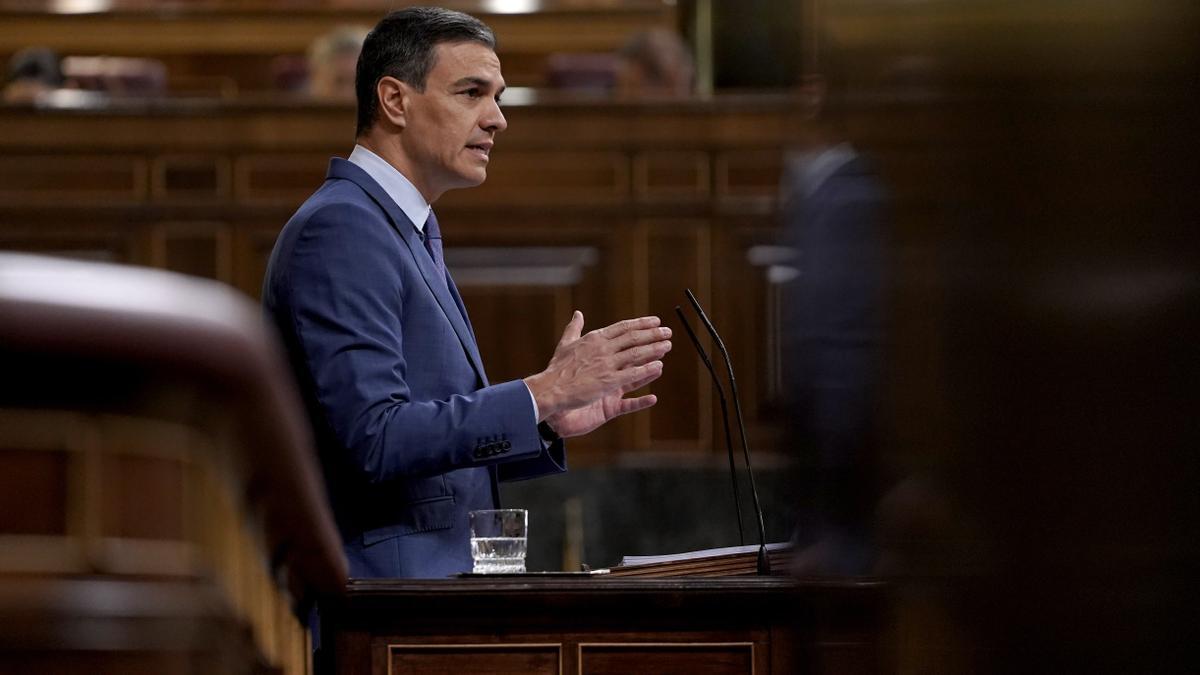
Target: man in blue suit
411	434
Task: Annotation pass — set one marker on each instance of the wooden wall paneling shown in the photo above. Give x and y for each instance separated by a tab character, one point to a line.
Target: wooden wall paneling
506	659
740	310
748	179
82	240
139	462
189	177
676	257
283	179
42	529
549	178
203	249
667	658
671	176
83	179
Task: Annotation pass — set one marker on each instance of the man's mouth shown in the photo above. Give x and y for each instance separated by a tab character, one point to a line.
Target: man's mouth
483	149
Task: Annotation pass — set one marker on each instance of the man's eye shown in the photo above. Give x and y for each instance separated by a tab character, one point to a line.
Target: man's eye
497	99
473	92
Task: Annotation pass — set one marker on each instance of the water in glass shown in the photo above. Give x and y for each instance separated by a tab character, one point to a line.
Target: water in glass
498	555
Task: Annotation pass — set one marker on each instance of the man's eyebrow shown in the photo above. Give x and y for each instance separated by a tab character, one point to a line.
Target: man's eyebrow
478	82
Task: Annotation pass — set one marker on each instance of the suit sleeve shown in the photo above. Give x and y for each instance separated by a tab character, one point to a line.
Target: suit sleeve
346	299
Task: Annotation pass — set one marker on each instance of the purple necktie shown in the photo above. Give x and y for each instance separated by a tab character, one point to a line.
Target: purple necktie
432	236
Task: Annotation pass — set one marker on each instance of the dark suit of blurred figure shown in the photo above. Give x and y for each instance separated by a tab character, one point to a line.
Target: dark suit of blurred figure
834	217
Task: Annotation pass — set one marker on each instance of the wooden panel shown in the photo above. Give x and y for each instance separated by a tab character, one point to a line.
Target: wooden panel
80	243
561	177
509	659
667	659
201	249
282	178
71	178
189	177
671	175
33	491
677	254
749	174
515	347
131	482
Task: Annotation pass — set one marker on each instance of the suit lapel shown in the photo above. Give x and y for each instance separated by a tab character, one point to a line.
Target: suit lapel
440	286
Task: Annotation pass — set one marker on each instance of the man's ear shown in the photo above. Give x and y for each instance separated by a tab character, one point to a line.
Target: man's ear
393	100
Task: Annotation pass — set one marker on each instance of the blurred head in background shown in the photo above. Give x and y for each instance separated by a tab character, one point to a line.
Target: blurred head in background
655	63
31	73
332	58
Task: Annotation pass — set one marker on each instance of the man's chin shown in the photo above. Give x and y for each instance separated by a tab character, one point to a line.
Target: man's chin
473	178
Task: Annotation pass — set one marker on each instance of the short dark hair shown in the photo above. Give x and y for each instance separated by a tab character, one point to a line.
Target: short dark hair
401	46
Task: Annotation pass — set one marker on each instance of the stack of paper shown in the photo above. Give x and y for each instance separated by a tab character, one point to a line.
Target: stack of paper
730	561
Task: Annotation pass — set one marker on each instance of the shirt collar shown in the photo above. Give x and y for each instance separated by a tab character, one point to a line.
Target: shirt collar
399	188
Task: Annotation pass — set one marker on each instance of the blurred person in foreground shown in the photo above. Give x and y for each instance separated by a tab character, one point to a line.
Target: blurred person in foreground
411	433
835	217
332	59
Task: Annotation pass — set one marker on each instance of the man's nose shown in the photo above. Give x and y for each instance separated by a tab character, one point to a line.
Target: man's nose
493	120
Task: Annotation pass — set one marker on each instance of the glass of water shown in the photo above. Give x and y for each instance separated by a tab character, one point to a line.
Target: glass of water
498	540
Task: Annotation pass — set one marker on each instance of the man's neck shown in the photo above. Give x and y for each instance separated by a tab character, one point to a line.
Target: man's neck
387	146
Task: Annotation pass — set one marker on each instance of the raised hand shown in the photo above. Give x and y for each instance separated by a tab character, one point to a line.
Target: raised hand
579	421
587	378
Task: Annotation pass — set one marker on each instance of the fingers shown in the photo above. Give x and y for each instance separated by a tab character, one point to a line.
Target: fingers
621	327
573	330
629	405
638	384
641	337
640	376
642	354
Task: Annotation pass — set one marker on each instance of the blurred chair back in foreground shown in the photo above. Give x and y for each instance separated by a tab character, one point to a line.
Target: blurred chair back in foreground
160	505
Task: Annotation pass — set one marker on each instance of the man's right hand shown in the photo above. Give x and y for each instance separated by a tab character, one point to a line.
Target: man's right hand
585	369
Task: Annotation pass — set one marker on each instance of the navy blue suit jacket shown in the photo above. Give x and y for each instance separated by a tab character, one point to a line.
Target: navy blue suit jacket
410	433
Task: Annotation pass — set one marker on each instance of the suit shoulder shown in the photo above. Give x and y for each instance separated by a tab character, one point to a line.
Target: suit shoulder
339	226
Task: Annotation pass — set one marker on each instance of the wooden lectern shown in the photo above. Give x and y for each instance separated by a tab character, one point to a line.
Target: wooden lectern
577	624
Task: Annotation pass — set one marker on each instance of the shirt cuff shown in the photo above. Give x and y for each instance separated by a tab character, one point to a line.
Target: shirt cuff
536	412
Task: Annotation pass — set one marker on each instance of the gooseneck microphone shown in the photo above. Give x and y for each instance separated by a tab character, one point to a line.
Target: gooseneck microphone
737	498
764	563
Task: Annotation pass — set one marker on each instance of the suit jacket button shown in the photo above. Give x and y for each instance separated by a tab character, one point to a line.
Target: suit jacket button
506	445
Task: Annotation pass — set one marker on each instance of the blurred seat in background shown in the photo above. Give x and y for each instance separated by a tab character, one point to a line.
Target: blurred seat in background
116	75
582	72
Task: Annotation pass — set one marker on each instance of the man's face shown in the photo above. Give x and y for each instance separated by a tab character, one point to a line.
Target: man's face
451	125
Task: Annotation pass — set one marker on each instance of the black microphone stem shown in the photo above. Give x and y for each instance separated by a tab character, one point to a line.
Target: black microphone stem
737	497
764	563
